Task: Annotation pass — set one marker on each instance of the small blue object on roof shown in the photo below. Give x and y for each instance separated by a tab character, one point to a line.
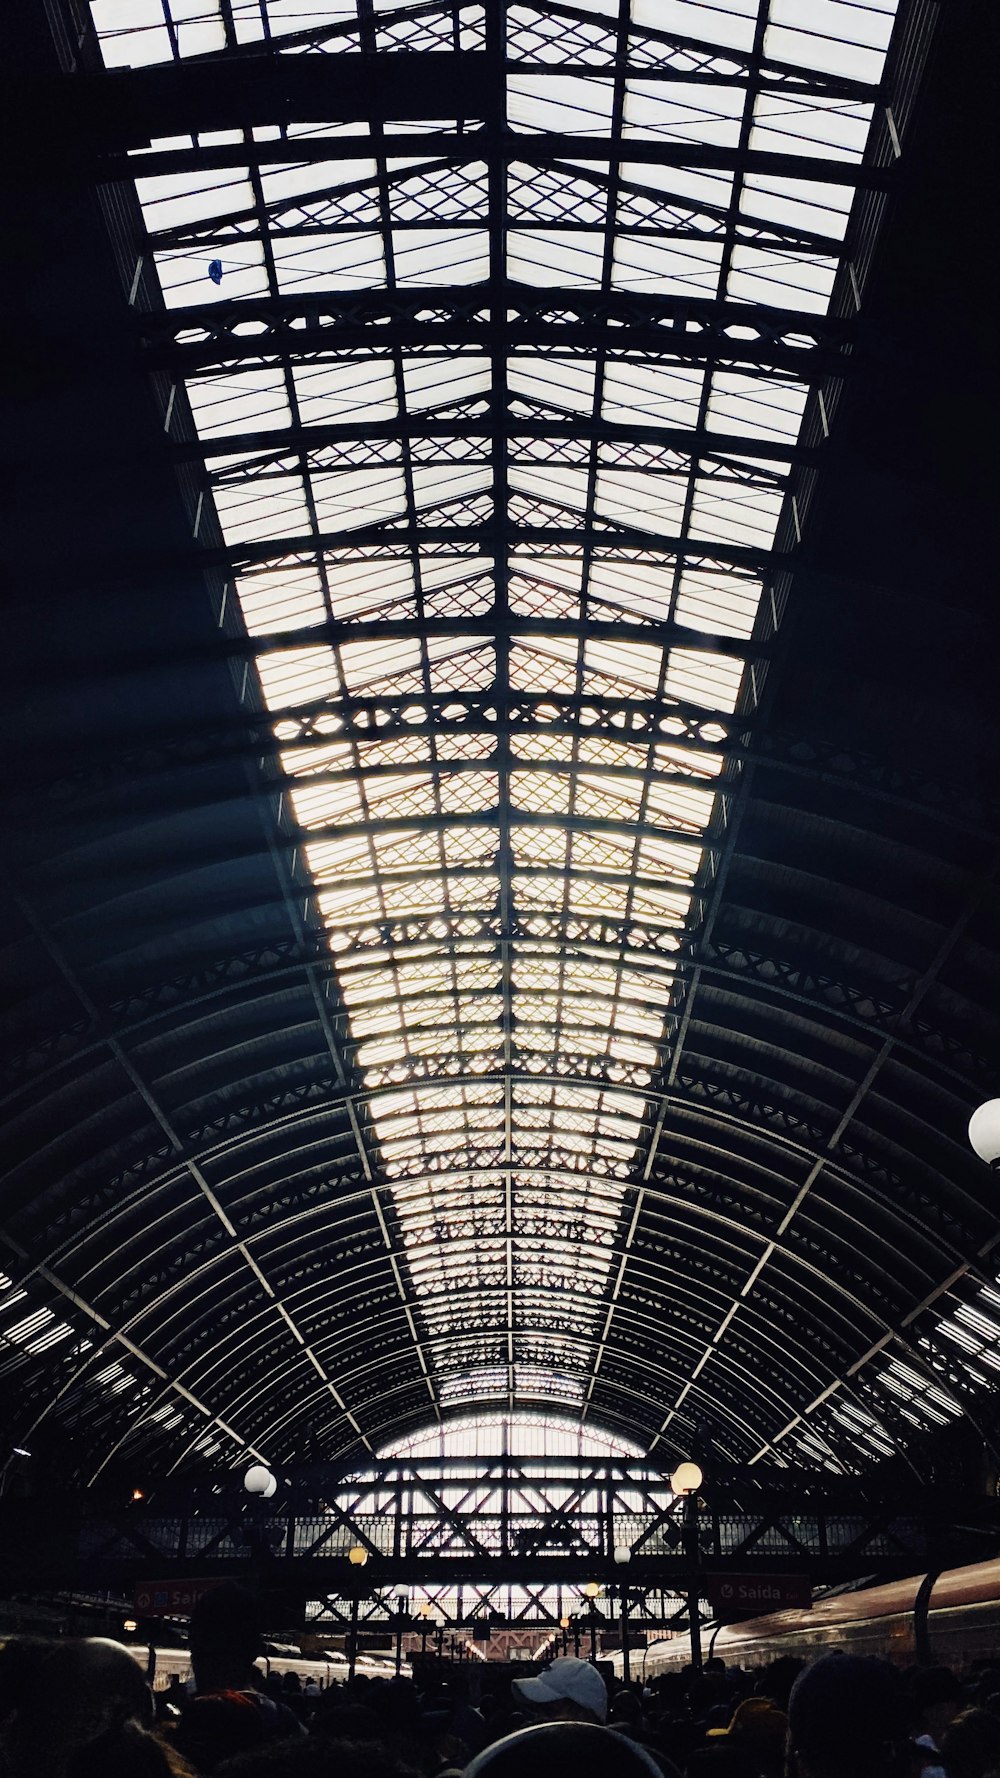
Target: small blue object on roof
215	271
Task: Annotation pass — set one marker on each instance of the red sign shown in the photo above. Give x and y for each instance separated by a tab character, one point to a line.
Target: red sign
748	1595
170	1598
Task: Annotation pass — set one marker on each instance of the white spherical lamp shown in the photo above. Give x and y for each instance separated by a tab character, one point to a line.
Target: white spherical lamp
984	1131
623	1554
686	1479
260	1481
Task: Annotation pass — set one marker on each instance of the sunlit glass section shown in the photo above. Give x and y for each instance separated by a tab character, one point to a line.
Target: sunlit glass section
512	1435
499	413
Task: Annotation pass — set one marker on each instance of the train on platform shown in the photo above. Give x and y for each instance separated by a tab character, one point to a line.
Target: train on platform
950	1619
161	1664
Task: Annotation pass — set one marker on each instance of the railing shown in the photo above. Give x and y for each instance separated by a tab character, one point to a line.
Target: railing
418	1537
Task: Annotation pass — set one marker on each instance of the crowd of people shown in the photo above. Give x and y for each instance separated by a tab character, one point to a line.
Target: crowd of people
82	1709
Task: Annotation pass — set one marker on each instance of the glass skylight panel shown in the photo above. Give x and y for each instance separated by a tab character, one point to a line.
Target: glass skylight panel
729	24
305	264
133	32
298	676
276	508
799	203
504	832
683	113
317	183
349	499
828	128
356	390
920	1400
184	275
238	401
788	281
725	605
171	200
733	512
668	394
560	104
972	1331
837	36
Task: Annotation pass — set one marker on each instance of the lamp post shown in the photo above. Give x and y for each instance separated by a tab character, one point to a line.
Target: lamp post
564	1627
623	1556
591	1594
401	1618
261	1485
576	1634
685	1481
424	1615
357	1555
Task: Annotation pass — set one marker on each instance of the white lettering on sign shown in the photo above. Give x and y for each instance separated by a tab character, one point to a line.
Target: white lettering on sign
744	1594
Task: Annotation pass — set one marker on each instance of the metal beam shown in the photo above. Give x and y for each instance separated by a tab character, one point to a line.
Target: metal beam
274	444
107	113
463	147
685	328
484	626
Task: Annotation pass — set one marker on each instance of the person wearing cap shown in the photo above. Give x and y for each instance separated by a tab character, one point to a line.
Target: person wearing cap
758	1729
568	1691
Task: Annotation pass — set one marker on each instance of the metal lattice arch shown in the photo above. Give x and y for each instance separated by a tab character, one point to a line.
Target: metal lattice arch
497	352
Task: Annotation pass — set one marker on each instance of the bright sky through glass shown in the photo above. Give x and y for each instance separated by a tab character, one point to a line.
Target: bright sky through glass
505	593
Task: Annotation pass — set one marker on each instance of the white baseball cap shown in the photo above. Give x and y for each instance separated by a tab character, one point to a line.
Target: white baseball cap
566	1681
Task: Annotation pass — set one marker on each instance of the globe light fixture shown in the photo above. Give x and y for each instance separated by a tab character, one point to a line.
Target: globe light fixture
623	1551
592	1590
357	1555
686	1479
260	1481
564	1623
984	1132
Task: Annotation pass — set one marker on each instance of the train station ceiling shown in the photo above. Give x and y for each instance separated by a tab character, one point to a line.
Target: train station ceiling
500	903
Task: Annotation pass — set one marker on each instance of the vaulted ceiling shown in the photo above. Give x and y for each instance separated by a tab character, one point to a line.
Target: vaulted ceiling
501	903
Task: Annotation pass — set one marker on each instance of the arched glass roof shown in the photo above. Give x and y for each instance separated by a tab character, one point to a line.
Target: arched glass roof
497	350
500	437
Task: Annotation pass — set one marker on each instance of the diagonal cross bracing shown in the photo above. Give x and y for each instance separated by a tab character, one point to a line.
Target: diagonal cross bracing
502	415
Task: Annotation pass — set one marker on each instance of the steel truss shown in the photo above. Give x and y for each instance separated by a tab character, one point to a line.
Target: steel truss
490	1525
683	330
